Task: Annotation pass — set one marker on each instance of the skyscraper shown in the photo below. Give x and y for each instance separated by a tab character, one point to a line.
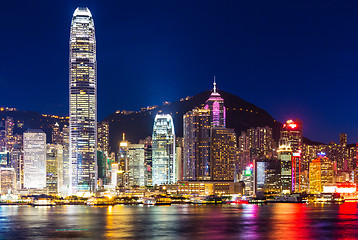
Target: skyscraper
34	159
217	109
56	134
197	139
223	154
285	156
292	133
103	137
321	173
83	103
136	164
163	150
54	168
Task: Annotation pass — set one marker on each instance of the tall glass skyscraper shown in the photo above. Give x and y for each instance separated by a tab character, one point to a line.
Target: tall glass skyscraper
83	103
163	150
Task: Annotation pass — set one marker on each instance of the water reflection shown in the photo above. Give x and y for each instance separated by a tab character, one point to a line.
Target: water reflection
272	221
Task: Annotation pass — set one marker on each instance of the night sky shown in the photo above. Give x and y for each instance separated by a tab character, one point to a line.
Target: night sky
295	59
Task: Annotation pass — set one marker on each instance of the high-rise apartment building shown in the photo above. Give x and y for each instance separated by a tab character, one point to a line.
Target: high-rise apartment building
34	159
163	150
197	140
83	103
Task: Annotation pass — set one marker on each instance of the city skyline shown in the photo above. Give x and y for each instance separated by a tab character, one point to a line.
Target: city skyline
310	55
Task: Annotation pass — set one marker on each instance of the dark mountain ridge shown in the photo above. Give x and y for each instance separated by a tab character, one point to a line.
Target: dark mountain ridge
240	115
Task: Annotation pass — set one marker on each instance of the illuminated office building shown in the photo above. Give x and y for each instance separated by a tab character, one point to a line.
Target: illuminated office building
179	158
320	173
123	163
285	156
148	160
54	168
103	137
66	159
56	134
83	103
34	159
343	139
215	104
255	143
7	180
292	134
267	176
163	150
9	130
136	164
17	162
197	140
223	154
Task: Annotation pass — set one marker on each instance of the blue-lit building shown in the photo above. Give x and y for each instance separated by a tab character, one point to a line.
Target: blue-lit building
163	150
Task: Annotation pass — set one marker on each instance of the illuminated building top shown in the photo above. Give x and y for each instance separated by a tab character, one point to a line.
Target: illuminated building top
216	105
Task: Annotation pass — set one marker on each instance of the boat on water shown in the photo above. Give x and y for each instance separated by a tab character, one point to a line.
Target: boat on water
43	202
163	200
294	198
212	199
158	200
148	201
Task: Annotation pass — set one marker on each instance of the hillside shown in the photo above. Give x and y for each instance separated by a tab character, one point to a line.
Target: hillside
241	115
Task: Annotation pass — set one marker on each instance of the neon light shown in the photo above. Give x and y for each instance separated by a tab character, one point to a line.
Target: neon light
216	113
321	154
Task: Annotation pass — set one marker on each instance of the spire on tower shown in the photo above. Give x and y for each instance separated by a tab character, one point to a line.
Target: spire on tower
214	84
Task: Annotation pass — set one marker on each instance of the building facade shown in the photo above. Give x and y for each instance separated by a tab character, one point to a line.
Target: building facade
136	165
54	169
34	159
83	103
223	154
197	140
163	150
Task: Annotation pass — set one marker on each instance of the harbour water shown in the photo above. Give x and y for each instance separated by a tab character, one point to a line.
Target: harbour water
271	221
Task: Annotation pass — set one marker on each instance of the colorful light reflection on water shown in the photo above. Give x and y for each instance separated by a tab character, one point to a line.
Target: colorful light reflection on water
271	221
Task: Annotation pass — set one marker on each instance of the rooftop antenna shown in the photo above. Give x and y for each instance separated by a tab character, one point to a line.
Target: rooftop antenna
214	84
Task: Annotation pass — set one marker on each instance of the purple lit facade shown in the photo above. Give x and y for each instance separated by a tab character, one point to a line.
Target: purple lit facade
217	109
